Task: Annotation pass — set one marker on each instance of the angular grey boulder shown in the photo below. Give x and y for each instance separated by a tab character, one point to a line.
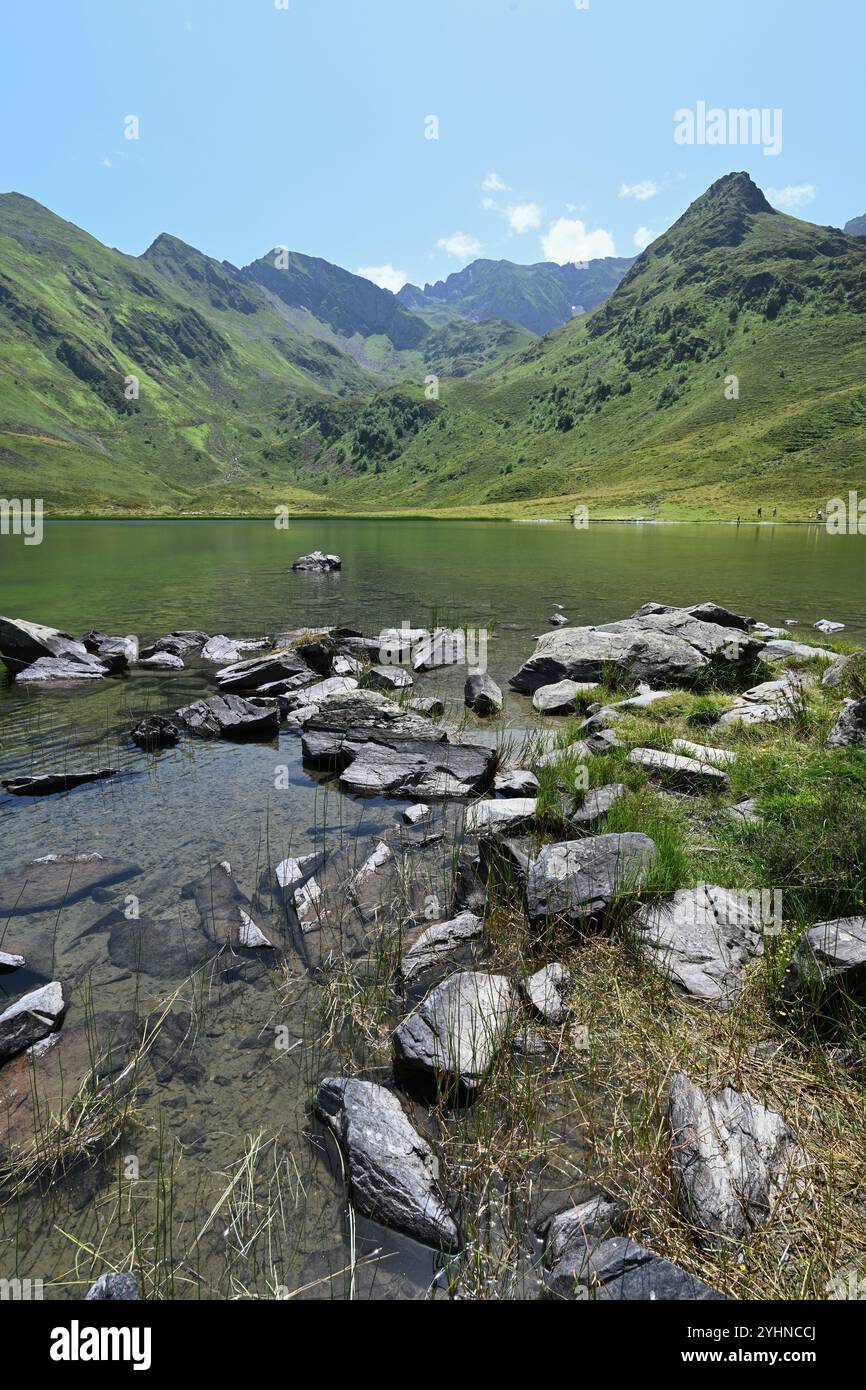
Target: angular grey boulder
578	880
388	678
226	913
577	1230
837	671
621	1269
560	698
9	962
703	753
456	1031
492	817
545	993
279	673
685	774
702	939
162	661
23	643
441	942
849	731
50	669
33	1017
318	563
229	716
596	804
519	782
114	1288
391	1169
828	968
482	695
734	1160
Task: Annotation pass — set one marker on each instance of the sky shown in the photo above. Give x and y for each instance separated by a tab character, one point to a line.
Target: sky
404	138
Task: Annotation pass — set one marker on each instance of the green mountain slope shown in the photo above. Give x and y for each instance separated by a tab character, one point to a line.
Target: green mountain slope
726	373
539	297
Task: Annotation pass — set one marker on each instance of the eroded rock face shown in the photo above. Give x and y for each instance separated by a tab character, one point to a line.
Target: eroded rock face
828	968
456	1032
701	938
734	1159
668	647
23	643
621	1269
391	1169
33	1017
849	731
578	880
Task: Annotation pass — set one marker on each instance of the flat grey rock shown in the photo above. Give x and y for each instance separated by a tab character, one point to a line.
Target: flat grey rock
23	643
230	716
778	649
50	669
596	804
441	942
490	817
162	661
10	962
578	880
457	1030
837	671
417	815
520	782
702	939
685	774
387	678
390	1168
734	1159
283	669
56	880
560	698
226	914
849	731
621	1269
828	968
704	753
574	1232
545	993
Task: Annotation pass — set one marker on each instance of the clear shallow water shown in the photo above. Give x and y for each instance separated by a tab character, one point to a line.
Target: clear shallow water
218	1078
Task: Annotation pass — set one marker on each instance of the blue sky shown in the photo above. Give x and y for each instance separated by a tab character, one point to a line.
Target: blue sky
305	126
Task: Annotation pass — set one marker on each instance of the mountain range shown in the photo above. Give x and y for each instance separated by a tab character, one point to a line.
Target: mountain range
722	370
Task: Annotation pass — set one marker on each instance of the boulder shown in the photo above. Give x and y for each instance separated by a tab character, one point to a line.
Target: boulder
50	669
114	1288
837	671
33	1017
417	815
357	717
519	782
177	644
706	612
703	753
621	1269
560	698
47	783
545	993
778	649
115	652
56	880
558	620
827	627
457	1029
442	647
492	817
684	774
9	962
482	695
442	943
347	666
596	804
225	912
849	731
23	643
229	716
390	1169
767	703
162	661
280	672
428	706
157	731
734	1159
702	939
578	880
318	563
316	694
670	647
577	1230
828	968
386	678
220	650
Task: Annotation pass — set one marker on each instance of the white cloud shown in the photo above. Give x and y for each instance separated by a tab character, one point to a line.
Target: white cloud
642	238
641	191
461	246
493	184
106	163
524	217
489	204
570	241
796	195
385	276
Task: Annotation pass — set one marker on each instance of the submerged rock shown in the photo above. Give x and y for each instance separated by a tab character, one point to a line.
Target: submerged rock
734	1158
47	783
457	1030
578	880
57	880
701	938
391	1169
33	1017
226	913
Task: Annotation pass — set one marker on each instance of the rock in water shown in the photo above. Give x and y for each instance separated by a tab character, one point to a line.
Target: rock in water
49	782
318	563
226	913
114	1288
734	1157
57	668
578	880
701	938
10	962
22	644
482	695
56	880
157	731
391	1169
280	673
490	817
849	731
456	1031
31	1018
229	716
623	1270
387	678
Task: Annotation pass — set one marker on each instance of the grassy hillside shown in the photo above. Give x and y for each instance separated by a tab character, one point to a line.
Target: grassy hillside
726	373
